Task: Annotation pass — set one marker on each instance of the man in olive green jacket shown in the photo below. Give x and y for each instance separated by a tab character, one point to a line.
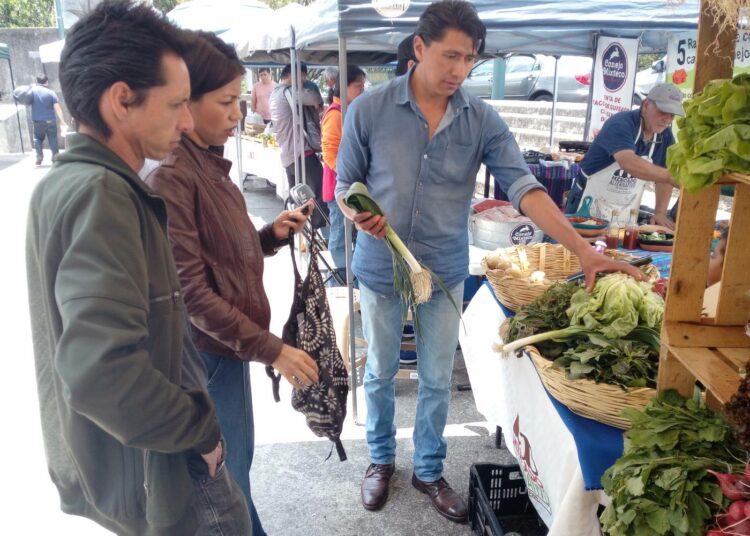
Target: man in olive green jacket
131	437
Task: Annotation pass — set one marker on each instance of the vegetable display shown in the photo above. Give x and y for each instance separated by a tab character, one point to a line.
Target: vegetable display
662	484
714	135
610	335
738	411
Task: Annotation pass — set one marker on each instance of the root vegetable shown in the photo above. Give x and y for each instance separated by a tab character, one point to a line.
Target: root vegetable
729	486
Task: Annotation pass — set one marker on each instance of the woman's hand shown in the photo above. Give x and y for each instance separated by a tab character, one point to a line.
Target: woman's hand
296	366
292	220
592	263
663	220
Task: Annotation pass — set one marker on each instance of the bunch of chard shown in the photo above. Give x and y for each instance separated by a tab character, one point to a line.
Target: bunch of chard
735	520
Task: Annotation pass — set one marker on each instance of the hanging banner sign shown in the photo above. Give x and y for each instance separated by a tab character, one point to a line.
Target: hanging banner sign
613	79
681	53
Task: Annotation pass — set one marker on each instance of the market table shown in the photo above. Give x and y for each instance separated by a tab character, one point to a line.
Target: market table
561	454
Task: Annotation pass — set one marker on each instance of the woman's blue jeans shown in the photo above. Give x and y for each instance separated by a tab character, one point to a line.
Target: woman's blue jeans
229	387
437	337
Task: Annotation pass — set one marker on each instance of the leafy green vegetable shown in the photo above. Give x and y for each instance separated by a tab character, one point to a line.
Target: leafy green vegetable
546	313
627	363
714	135
660	485
613	310
614	307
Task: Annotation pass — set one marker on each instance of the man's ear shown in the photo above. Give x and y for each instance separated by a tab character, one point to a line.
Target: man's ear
119	98
419	46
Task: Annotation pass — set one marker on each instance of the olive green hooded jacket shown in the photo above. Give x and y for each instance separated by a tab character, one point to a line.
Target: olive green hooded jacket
119	413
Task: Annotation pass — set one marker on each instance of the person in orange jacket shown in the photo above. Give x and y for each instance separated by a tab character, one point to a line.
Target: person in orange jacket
331	138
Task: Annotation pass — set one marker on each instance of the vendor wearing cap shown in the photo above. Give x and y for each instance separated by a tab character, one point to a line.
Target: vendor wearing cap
630	149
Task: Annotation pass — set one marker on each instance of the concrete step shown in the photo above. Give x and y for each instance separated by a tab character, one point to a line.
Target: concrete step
539	108
538	140
568	124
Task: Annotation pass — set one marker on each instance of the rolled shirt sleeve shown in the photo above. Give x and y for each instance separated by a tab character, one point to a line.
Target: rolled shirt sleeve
504	159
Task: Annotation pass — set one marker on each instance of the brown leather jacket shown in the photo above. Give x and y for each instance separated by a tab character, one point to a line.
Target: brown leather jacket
219	254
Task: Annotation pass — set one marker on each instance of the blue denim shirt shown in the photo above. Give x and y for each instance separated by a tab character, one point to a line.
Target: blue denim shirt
424	186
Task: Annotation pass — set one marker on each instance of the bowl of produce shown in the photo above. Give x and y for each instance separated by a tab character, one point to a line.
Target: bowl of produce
654	238
584	223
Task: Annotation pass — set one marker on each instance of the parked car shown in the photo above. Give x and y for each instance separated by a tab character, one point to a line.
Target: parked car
647	78
531	77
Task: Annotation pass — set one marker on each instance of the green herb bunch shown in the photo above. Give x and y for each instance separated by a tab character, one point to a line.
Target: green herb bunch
661	485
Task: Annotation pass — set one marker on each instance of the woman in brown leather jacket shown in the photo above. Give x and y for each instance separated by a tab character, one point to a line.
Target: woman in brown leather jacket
219	255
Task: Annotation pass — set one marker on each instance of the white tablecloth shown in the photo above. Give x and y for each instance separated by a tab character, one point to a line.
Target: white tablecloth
509	393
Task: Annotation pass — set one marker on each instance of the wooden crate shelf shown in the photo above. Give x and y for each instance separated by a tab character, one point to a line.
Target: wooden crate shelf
711	349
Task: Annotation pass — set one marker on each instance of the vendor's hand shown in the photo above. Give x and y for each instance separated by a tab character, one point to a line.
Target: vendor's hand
367	223
292	220
213	459
296	366
663	220
592	263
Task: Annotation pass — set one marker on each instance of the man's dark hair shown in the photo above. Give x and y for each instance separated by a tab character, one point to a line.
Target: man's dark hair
353	72
42	79
264	70
212	64
287	70
455	14
404	54
118	41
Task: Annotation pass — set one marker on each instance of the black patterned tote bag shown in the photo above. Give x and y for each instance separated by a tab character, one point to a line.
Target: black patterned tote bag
310	328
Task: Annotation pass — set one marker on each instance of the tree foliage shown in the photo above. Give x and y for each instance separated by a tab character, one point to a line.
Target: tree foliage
276	4
27	14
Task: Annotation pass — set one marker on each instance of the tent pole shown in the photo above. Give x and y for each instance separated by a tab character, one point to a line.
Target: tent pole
587	123
554	105
348	246
298	88
295	117
18	115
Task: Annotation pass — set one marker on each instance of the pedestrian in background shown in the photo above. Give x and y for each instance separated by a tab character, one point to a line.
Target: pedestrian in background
45	111
331	138
259	100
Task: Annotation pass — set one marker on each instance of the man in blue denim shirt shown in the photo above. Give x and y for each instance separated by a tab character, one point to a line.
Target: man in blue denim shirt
417	142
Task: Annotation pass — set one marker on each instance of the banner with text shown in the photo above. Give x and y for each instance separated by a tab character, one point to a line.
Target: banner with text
613	80
681	51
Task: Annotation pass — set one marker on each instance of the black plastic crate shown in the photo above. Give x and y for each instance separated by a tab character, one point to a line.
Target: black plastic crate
498	503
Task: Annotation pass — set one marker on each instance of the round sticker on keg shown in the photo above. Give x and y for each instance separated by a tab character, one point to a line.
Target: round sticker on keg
522	234
390	9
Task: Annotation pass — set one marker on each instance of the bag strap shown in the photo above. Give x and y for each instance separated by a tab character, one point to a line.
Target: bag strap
270	372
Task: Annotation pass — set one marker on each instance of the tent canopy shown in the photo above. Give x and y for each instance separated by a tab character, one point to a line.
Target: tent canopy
532	26
555	27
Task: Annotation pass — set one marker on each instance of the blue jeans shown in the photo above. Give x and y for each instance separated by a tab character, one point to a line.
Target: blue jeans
229	387
336	242
437	337
46	129
219	505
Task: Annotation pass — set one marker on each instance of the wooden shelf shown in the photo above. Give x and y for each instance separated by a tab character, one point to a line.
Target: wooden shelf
703	333
718	370
734	178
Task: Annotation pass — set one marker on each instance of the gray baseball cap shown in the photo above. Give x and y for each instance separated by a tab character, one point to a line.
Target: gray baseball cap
668	98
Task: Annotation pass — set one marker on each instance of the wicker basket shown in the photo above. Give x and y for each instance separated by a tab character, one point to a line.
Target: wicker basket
554	260
598	401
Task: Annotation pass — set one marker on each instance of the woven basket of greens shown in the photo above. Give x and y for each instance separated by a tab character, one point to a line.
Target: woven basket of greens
596	353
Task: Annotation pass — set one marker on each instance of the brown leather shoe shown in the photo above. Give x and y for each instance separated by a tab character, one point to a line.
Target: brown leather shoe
444	499
375	485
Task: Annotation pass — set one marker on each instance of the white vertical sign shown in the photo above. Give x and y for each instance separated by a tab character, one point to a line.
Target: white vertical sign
681	49
613	80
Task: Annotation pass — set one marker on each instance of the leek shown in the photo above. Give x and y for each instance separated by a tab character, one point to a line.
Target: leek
411	279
